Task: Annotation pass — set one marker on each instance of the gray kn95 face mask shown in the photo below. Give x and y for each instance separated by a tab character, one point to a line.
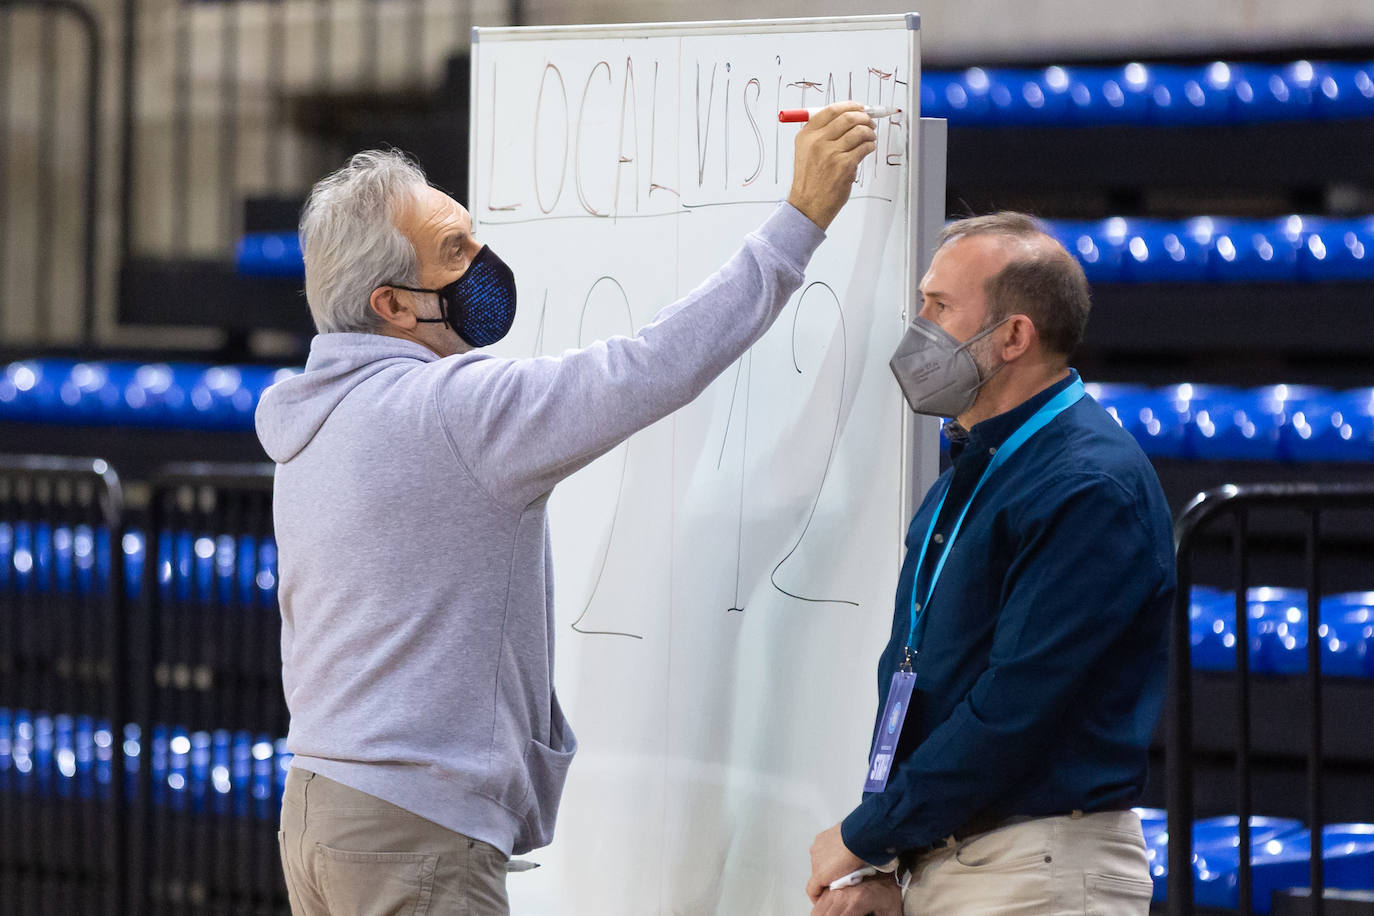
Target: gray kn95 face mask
936	372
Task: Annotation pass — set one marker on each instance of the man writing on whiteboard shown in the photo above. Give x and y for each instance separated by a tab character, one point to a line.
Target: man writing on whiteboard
413	474
1024	674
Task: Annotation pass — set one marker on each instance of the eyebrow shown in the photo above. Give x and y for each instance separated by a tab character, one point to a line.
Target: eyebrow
455	240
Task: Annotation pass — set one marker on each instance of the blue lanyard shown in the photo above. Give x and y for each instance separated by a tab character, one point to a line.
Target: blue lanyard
1057	405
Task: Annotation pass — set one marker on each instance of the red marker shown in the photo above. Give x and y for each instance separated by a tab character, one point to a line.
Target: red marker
797	115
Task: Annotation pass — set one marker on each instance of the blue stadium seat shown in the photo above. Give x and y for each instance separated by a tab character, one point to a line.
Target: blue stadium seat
1349	620
1118	399
1117	250
269	254
1215	856
94	393
1098	250
221	760
264	779
1278	630
966	97
1324	425
1119	95
135	553
1191	95
1230	423
130	752
1347	855
1277	623
35	556
1278	620
1155	417
171	763
1335	250
1212	630
1176	413
6	748
1216	93
1346	90
1265	92
1027	96
1256	251
41	755
1160	251
128	394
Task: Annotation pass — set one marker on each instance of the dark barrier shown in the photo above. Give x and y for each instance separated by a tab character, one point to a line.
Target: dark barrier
208	696
62	675
1311	502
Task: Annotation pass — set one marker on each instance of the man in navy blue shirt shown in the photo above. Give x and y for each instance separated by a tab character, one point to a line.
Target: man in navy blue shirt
1025	670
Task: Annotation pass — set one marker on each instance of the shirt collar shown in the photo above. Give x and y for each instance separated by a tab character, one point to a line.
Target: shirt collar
993	431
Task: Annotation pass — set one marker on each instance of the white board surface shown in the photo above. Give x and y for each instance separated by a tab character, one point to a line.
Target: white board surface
724	580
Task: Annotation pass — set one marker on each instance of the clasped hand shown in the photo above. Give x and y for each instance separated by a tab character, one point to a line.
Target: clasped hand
830	860
876	896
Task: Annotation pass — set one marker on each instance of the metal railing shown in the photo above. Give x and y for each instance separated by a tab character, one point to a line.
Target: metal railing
1237	504
207	652
62	669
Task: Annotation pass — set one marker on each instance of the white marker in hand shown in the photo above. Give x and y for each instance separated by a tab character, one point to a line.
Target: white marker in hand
853	877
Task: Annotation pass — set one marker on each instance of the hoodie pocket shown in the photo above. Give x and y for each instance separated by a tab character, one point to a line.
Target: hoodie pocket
548	771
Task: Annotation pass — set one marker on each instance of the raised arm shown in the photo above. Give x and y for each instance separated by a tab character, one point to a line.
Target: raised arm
523	425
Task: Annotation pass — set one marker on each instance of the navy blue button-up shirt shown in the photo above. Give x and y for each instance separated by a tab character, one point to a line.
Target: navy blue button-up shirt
1040	669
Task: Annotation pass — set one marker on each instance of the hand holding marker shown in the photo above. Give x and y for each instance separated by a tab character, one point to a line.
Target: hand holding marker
798	115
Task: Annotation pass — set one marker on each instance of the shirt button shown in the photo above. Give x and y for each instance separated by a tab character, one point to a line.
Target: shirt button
916	606
992	451
939	538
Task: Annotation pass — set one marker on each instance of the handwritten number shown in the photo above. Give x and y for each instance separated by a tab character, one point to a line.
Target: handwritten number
834	435
624	466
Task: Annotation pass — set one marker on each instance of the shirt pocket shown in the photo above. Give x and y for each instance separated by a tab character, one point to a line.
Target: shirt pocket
399	883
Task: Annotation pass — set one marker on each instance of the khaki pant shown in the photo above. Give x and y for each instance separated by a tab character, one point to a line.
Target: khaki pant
1090	864
346	853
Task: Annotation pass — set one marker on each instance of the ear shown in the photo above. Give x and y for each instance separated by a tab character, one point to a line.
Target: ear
1021	337
388	304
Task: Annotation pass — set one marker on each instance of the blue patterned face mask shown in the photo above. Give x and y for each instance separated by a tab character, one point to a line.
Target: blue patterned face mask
479	305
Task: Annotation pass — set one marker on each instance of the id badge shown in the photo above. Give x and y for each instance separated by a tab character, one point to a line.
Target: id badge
889	730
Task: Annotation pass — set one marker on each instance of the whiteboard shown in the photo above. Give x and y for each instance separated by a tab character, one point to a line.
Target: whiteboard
723	580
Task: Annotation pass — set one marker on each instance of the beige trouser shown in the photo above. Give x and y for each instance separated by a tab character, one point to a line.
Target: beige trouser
347	853
1077	864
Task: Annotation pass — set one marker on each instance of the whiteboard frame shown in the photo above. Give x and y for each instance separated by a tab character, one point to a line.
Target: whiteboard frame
918	447
911	21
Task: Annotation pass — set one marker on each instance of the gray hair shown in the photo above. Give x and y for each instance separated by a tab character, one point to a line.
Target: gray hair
350	241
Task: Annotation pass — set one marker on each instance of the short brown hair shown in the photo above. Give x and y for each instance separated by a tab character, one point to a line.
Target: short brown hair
1046	283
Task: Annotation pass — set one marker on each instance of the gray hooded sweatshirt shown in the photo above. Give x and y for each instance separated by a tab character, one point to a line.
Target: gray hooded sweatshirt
416	583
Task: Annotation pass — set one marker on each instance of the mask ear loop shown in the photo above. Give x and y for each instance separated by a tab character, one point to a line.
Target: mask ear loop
974	339
443	305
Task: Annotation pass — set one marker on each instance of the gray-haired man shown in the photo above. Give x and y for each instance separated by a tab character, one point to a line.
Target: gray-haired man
411	487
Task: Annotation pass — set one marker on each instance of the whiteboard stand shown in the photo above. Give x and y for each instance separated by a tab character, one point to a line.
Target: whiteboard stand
923	433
